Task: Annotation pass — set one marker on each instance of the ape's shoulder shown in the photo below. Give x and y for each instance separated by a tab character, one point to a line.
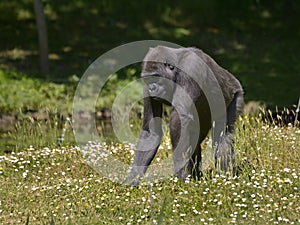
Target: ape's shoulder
212	64
205	57
224	77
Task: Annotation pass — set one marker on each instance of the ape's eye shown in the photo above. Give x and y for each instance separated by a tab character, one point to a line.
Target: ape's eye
171	67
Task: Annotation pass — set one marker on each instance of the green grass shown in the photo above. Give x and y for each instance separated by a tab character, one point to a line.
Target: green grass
254	40
35	133
40	185
20	93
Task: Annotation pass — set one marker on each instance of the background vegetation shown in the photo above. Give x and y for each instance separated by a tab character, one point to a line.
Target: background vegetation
258	41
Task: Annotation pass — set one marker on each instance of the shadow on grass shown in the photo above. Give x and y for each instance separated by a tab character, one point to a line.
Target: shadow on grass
256	41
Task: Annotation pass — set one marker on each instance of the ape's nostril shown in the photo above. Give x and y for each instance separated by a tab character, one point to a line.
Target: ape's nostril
152	86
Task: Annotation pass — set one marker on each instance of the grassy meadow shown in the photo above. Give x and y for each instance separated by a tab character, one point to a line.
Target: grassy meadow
42	182
54	185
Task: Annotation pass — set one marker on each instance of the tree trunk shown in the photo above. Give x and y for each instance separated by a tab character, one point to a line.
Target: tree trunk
43	36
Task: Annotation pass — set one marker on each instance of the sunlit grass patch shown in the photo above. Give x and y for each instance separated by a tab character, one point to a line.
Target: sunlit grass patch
56	184
38	132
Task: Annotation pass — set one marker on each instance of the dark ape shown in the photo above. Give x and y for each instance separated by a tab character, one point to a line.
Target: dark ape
193	84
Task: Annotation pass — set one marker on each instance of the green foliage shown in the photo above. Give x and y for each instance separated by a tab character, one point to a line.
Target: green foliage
20	93
253	39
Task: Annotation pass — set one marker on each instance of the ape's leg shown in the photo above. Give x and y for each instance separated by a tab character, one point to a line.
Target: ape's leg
149	140
196	161
197	156
225	153
181	167
186	150
204	127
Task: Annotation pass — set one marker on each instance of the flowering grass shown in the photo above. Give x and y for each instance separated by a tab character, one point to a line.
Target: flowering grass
56	186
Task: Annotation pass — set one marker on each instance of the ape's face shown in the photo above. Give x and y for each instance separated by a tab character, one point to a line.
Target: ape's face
160	80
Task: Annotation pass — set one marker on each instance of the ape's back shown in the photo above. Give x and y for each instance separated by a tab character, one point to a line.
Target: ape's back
228	83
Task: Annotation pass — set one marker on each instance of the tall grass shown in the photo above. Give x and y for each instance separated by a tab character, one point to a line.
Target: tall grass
55	185
39	133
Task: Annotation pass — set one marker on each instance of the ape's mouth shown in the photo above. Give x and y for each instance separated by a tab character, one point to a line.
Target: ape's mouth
153	87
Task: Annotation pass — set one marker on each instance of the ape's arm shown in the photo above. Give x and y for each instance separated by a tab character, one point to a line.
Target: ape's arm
149	139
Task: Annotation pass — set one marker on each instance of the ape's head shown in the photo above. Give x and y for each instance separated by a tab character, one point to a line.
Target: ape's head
159	72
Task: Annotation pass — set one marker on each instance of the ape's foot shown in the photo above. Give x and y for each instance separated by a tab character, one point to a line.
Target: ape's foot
131	181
